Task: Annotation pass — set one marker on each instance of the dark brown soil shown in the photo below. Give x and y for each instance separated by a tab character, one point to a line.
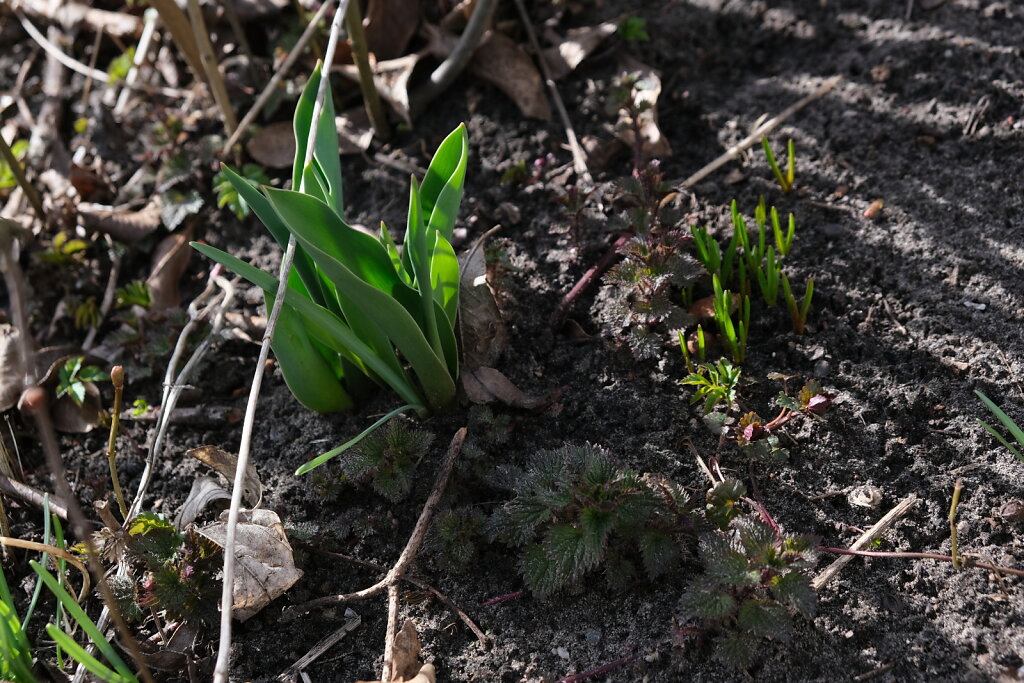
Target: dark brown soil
913	311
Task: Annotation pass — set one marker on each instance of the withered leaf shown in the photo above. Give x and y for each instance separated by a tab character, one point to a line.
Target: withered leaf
484	334
405	665
265	566
646	93
564	57
226	463
122	223
205	490
390	24
501	62
487	385
170	259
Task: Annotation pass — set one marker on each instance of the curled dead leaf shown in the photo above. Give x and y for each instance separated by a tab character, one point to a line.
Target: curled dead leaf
391	78
205	491
170	259
120	222
265	566
226	463
483	331
646	91
12	369
501	62
577	45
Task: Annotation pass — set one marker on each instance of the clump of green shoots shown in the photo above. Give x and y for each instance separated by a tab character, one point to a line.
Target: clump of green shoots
73	377
755	578
576	510
228	196
785	180
733	334
715	383
798	312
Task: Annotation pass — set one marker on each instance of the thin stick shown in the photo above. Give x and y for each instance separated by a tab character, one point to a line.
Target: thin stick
24	492
150	17
964	560
323	646
444	75
411	548
220	673
57	53
957	488
19	176
579	159
209	60
880	526
117	379
108	295
278	76
759	132
588	279
389	634
71	15
371	98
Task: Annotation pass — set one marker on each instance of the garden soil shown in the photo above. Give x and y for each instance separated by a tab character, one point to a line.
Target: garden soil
915	307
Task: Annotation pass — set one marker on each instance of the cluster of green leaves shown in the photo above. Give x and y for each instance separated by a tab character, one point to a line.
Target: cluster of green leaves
353	304
754	579
645	287
64	250
73	376
1015	431
576	510
180	569
387	459
455	535
634	30
715	383
15	650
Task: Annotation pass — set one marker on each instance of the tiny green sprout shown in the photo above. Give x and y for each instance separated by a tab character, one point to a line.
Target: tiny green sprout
798	312
63	250
73	377
8	179
701	349
87	314
139	407
1015	431
133	294
783	243
786	179
81	124
734	335
634	29
768	276
120	66
715	383
228	196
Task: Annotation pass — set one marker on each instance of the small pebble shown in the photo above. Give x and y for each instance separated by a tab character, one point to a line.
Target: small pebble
975	305
561	652
593	636
822	369
866	496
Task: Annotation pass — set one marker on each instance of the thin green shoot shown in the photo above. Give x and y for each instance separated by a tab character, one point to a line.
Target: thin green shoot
321	459
1015	431
783	243
39	584
734	334
701	349
798	312
15	650
785	180
768	276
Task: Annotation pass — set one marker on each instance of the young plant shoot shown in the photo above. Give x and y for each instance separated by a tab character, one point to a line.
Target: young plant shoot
354	305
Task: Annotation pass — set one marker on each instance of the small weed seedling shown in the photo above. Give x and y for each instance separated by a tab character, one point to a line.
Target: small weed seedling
575	510
228	196
73	377
733	334
357	309
754	577
1015	431
785	180
387	459
715	383
634	29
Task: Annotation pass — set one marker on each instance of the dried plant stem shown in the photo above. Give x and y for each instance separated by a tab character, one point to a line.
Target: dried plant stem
181	32
38	406
880	526
19	176
759	132
589	278
579	159
964	561
957	488
209	62
278	76
412	546
56	552
149	29
371	98
59	54
117	379
24	492
223	665
292	672
386	673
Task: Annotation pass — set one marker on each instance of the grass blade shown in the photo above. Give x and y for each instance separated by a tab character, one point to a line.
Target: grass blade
321	459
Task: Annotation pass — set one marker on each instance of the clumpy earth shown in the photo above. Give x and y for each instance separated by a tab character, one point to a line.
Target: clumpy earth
914	309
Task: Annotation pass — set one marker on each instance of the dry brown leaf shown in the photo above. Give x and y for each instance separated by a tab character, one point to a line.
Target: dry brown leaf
273	145
647	91
405	655
391	77
487	385
390	24
501	62
484	334
12	367
563	58
71	418
205	490
122	223
265	566
225	463
170	259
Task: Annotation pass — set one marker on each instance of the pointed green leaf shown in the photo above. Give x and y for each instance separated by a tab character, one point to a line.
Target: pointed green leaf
447	169
325	149
416	243
444	277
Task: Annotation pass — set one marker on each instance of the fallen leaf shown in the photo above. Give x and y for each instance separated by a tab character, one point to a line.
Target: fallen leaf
501	62
122	223
564	57
12	367
225	463
71	418
273	145
487	385
390	24
647	89
170	259
483	332
391	78
205	490
405	665
265	567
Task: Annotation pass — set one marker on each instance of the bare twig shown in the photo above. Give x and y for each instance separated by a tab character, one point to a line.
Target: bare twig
759	132
444	75
278	76
411	548
579	159
879	527
17	489
59	54
389	633
71	15
965	560
209	61
587	280
291	673
150	17
371	98
56	552
220	673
